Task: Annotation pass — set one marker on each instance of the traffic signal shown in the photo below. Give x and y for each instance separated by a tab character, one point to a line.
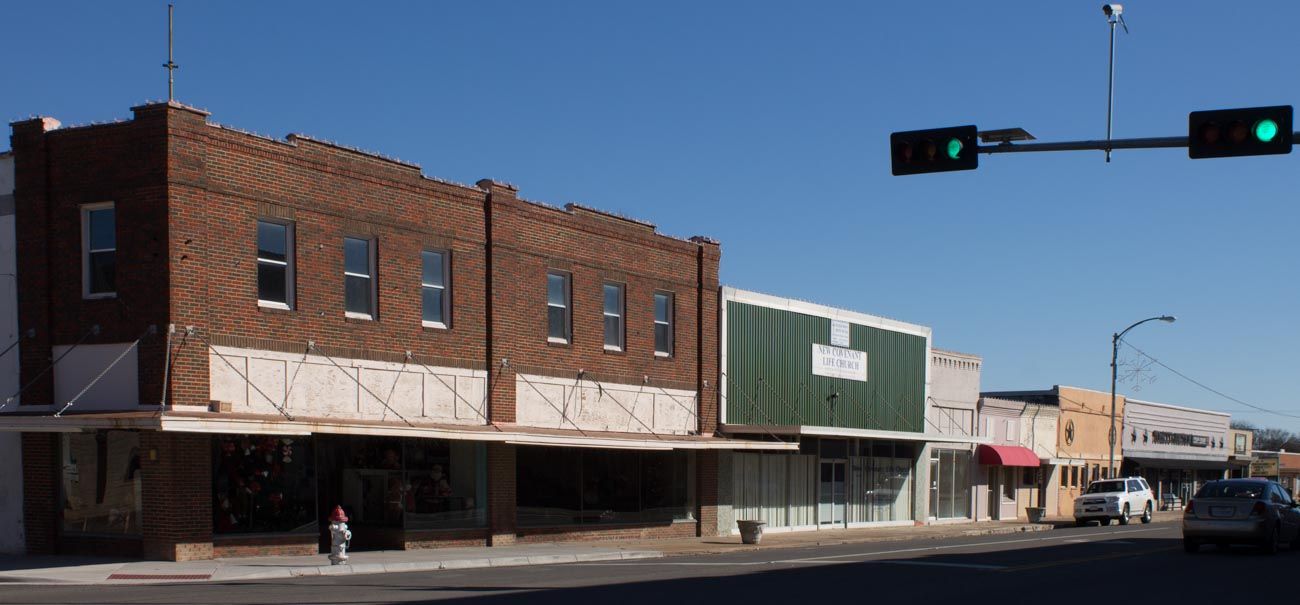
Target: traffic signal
1226	133
934	150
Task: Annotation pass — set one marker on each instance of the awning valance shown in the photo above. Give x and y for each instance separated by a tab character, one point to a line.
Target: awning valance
1006	455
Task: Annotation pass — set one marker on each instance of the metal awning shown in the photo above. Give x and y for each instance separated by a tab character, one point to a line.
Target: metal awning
214	422
1179	463
843	432
1007	455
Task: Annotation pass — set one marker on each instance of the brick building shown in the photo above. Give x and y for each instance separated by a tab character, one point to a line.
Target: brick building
226	335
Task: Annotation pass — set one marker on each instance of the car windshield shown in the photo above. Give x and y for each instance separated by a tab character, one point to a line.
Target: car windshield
1233	489
1102	487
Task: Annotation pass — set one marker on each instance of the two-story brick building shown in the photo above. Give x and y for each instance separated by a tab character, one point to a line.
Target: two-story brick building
227	335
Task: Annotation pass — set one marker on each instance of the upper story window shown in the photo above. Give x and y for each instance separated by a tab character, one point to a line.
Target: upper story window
557	307
358	277
663	324
274	264
613	312
98	250
433	288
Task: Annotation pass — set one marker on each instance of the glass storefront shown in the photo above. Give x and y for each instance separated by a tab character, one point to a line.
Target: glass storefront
101	483
950	484
263	484
405	483
577	486
831	483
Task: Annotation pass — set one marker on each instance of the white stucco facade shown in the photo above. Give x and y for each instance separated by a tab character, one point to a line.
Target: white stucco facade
569	403
313	386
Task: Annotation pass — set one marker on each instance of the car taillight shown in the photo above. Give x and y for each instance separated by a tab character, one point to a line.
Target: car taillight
1189	510
1260	509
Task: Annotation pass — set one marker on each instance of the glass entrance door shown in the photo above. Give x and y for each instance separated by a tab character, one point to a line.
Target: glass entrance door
831	494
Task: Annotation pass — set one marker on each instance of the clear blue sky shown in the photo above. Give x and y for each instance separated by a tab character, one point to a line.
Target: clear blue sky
765	125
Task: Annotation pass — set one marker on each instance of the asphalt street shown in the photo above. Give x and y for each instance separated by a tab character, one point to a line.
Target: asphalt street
1093	564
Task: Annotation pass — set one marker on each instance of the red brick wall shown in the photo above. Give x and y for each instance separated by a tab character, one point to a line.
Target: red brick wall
445	538
56	172
501	493
41	492
262	546
706	492
177	495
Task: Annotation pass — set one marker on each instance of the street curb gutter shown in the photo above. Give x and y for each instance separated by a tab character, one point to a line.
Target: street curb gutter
376	568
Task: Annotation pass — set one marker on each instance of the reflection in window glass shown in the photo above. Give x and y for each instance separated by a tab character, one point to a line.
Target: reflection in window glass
557	306
433	287
613	313
591	486
262	483
358	282
100	247
101	482
663	324
273	262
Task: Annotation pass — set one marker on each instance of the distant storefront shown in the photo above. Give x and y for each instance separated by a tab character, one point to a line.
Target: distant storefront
852	390
1176	449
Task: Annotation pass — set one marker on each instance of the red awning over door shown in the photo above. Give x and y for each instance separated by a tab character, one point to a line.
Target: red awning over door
1007	455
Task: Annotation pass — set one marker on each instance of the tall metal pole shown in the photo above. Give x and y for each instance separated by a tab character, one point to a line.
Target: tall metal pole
1114	356
170	64
1110	90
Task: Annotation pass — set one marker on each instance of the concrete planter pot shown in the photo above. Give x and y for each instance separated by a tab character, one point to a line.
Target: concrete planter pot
751	532
1035	513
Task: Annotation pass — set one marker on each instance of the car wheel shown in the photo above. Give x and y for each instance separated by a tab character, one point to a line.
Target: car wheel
1190	545
1104	521
1080	522
1269	545
1146	514
1123	516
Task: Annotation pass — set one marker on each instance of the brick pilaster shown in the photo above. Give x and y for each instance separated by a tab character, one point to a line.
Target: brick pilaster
40	491
501	494
177	494
706	492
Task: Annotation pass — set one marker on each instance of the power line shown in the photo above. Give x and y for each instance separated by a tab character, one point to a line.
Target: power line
1207	387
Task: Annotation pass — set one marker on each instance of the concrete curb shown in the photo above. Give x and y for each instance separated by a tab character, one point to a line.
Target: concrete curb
449	564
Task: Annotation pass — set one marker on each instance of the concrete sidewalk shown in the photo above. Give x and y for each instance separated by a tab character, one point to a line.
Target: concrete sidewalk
84	570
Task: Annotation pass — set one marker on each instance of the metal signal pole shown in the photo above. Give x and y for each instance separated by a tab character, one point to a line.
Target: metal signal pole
170	64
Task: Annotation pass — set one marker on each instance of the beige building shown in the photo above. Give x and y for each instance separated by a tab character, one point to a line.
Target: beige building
1082	449
1003	491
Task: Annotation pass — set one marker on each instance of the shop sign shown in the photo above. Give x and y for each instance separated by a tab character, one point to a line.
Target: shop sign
1263	468
1184	439
840	333
838	362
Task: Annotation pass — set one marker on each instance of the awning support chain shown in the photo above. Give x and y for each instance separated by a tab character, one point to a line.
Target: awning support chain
167	365
563	416
311	344
94	330
277	406
829	407
481	413
753	406
631	413
288	389
152	329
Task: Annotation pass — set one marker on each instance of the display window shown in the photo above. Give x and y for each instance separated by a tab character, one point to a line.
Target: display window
101	483
567	486
263	484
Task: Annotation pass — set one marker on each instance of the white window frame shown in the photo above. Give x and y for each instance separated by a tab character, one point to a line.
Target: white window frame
445	287
622	315
86	209
371	245
568	306
288	266
671	323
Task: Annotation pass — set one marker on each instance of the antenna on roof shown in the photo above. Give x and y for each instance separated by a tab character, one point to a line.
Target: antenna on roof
170	64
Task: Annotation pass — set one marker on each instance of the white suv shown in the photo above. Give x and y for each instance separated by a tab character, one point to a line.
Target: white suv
1114	499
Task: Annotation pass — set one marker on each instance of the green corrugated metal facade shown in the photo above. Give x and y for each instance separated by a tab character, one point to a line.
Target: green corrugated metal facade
776	346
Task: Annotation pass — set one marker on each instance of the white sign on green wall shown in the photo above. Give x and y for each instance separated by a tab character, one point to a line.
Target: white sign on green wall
838	362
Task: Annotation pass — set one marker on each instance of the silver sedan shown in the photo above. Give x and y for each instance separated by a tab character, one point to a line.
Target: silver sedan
1241	511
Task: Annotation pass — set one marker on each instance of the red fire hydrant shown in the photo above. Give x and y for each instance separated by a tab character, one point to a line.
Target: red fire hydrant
339	536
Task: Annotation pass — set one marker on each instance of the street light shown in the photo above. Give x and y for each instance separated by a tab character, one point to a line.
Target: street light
1114	356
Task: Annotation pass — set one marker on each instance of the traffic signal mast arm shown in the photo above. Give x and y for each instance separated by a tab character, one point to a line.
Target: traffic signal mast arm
1097	145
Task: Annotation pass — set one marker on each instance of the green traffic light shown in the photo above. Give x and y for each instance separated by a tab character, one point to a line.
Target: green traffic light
1265	130
954	147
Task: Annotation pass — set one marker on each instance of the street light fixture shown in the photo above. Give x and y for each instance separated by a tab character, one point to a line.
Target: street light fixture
1114	356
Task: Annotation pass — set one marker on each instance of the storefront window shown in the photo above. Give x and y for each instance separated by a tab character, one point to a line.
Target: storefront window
949	484
405	482
561	486
263	484
101	483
